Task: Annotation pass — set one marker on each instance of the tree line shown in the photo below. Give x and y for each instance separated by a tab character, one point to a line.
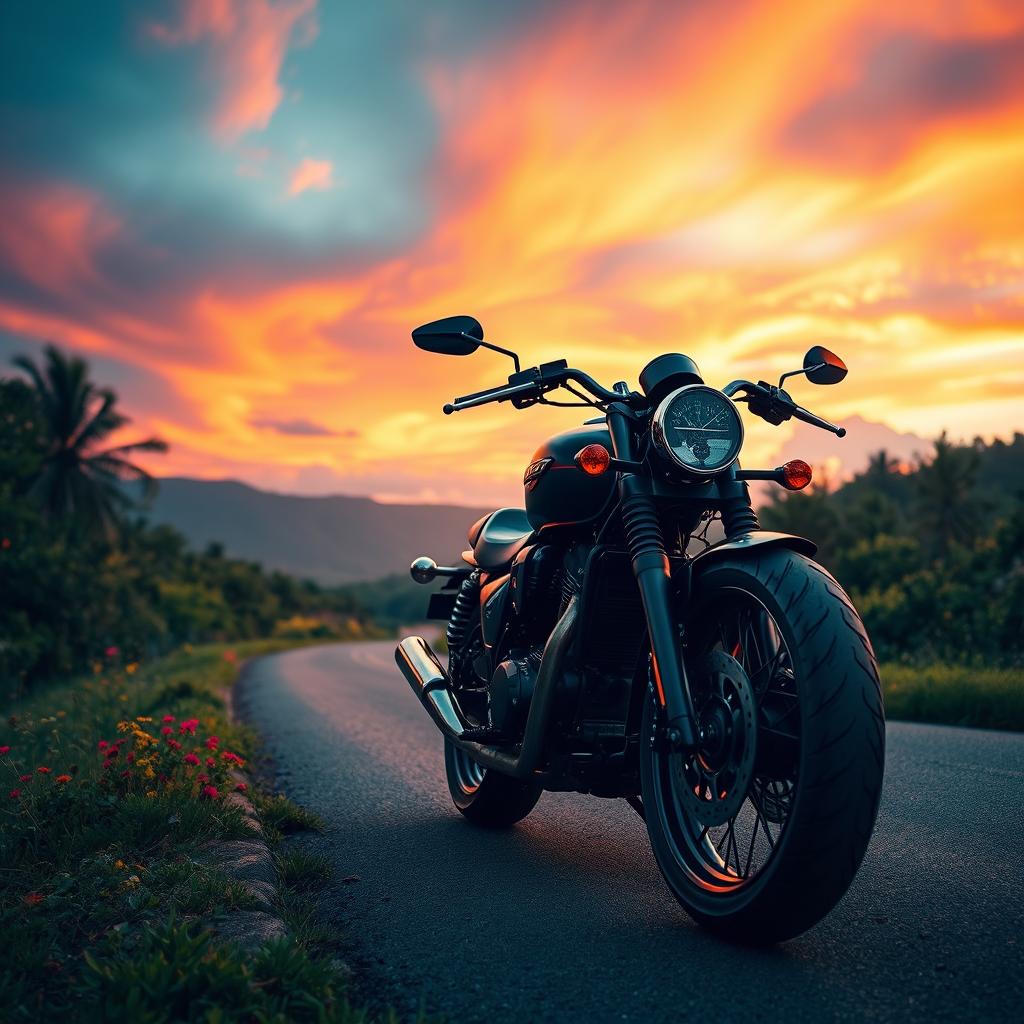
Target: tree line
932	554
83	578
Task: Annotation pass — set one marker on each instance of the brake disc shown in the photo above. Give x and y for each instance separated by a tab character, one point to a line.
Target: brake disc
712	783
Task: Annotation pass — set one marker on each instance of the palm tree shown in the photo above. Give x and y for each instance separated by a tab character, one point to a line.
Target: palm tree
80	483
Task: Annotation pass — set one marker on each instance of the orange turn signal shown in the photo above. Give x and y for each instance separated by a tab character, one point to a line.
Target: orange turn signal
594	459
796	475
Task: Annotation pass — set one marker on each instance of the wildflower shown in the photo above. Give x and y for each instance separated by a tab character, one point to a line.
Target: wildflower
112	652
5	543
102	745
174	744
202	777
14	794
4	750
168	718
131	756
43	770
230	656
241	787
189	726
63	778
124	726
209	793
112	751
24	778
232	758
143	718
151	793
191	759
33	899
166	731
212	743
210	762
130	669
119	864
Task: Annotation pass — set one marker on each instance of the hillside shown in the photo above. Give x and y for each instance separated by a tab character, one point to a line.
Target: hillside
331	540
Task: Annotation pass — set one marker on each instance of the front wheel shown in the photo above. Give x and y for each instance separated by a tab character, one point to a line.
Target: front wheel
760	832
487	797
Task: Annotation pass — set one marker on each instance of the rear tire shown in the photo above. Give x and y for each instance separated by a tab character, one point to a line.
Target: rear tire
486	797
819	811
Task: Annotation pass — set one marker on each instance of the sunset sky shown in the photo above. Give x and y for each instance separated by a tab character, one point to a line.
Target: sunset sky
238	209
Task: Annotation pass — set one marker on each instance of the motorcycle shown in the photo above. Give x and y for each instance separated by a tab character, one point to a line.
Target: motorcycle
633	633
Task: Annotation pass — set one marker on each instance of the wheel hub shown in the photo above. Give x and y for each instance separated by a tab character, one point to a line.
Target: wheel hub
712	782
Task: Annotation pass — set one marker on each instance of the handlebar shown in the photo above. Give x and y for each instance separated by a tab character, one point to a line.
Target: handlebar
774	405
529	386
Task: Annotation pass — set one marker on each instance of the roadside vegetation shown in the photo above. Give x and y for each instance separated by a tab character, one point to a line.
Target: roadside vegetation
113	786
933	556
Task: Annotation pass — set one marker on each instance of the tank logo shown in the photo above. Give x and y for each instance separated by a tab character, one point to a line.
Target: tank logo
534	471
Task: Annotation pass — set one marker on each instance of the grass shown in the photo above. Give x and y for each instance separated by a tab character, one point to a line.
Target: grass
104	889
989	698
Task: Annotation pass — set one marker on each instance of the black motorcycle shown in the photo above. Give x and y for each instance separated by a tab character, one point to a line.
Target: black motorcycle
634	633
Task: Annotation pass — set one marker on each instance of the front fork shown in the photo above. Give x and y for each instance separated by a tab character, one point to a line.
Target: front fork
651	568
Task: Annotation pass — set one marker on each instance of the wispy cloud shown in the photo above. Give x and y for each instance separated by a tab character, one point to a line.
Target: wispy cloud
315	174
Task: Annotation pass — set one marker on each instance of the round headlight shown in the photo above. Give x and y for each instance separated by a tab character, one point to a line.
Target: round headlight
699	429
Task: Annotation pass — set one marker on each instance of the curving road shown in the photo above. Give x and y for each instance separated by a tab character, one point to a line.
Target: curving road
566	917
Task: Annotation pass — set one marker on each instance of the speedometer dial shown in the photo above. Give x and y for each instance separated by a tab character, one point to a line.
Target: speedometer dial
699	428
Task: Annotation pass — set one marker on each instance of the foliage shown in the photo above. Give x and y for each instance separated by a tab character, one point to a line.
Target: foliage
101	850
78	483
932	557
75	594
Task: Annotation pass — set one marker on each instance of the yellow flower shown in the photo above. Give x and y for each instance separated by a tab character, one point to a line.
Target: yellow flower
143	718
119	864
130	669
151	793
150	774
123	726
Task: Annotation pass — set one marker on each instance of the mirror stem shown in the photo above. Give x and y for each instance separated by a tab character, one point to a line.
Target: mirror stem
495	348
797	373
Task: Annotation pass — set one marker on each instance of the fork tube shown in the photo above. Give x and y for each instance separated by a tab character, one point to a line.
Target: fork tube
651	569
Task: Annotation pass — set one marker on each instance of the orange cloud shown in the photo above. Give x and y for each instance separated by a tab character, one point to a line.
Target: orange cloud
248	40
314	174
607	188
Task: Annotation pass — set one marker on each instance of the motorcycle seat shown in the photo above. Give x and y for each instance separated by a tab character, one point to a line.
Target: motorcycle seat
497	538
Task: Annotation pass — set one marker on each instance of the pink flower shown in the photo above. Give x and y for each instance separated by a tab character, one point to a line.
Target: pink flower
131	756
189	726
233	758
112	652
209	793
4	750
24	778
174	744
168	718
202	777
113	750
191	759
43	770
166	731
62	779
102	745
15	793
241	787
210	762
212	742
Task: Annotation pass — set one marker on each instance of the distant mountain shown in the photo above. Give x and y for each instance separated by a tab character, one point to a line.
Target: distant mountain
332	540
843	458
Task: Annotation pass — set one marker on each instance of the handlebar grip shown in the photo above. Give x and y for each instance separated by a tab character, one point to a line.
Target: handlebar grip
501	394
816	421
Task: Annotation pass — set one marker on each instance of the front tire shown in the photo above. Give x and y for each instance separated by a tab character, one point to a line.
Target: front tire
794	707
487	797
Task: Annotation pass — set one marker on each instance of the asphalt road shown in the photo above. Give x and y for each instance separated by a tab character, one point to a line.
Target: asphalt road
566	916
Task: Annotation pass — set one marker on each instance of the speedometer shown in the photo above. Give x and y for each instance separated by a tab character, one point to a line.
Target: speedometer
699	429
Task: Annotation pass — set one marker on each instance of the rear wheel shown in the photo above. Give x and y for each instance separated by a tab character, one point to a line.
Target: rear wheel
487	797
760	832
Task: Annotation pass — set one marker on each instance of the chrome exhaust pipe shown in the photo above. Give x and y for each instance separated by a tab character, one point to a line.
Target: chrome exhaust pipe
429	682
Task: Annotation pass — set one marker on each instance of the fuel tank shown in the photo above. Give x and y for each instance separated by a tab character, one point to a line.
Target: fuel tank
559	494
